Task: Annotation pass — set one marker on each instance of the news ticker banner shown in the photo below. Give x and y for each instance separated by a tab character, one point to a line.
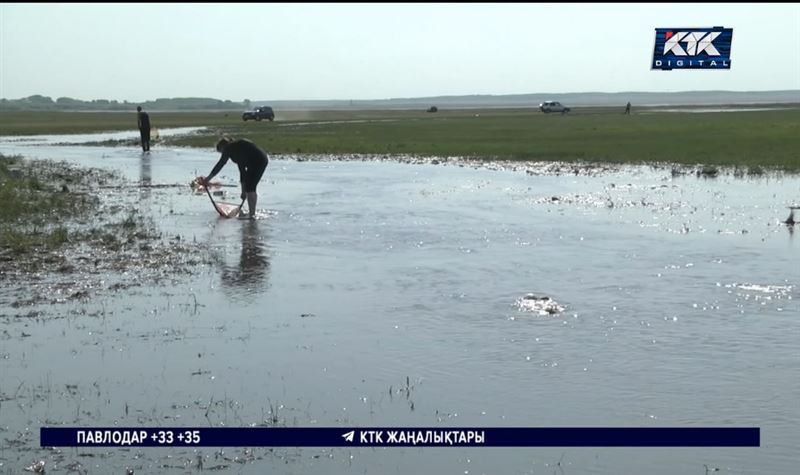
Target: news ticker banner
400	437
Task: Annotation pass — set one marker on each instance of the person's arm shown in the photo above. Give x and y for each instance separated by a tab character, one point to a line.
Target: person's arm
138	121
221	163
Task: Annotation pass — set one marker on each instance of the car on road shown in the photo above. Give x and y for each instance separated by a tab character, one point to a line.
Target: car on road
259	113
553	106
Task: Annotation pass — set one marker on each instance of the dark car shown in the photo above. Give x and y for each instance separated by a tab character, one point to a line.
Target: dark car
259	113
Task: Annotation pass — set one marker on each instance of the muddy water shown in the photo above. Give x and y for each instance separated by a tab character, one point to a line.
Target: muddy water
680	308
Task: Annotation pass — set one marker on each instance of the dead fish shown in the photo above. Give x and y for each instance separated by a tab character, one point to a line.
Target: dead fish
37	467
542	305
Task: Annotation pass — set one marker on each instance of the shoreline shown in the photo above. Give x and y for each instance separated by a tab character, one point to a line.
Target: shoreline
87	243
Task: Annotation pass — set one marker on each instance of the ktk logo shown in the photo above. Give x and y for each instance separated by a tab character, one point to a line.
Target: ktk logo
692	48
696	42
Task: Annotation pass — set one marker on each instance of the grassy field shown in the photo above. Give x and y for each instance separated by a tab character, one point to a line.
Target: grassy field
32	198
751	139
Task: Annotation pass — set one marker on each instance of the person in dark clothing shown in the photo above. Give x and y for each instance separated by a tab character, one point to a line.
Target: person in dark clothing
143	121
628	109
252	162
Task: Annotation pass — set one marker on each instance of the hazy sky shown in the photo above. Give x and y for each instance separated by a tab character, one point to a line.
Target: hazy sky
138	52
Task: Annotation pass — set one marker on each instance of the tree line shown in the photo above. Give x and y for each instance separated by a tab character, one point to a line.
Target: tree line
44	103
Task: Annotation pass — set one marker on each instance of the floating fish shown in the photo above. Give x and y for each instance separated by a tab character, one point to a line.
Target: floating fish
37	467
541	305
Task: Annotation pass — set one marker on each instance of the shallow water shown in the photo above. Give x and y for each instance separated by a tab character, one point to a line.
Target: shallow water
36	140
680	295
700	110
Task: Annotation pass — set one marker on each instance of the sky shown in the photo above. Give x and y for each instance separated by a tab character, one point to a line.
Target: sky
139	52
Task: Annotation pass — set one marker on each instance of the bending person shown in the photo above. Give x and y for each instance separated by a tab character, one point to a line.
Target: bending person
252	162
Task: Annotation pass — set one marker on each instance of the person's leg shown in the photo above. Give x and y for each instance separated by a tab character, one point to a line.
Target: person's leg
252	199
253	178
141	136
147	139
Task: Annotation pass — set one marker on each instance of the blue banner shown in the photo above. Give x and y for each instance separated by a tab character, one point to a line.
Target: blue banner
400	437
692	48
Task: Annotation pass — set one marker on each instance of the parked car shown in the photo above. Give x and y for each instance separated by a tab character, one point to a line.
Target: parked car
259	113
553	106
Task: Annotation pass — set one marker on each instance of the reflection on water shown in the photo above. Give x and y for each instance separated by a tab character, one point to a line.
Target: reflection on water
249	276
145	177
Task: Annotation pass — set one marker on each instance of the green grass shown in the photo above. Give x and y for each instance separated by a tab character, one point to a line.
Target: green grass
752	139
36	192
33	197
20	242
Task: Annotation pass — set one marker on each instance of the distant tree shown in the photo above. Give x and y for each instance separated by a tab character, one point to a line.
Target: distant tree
39	102
247	103
39	99
70	103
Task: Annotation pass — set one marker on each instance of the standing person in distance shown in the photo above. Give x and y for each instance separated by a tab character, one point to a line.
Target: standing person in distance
252	162
143	121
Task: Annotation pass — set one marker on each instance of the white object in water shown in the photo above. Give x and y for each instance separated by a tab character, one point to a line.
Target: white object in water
37	467
540	305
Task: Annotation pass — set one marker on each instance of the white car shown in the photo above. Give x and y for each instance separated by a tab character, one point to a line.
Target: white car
553	106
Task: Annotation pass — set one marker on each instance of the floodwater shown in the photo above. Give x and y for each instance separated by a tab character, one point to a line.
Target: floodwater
680	298
704	110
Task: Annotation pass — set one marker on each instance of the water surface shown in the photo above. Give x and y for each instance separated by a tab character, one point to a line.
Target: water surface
680	296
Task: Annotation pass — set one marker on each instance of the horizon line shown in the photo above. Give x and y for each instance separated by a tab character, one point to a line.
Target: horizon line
419	97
